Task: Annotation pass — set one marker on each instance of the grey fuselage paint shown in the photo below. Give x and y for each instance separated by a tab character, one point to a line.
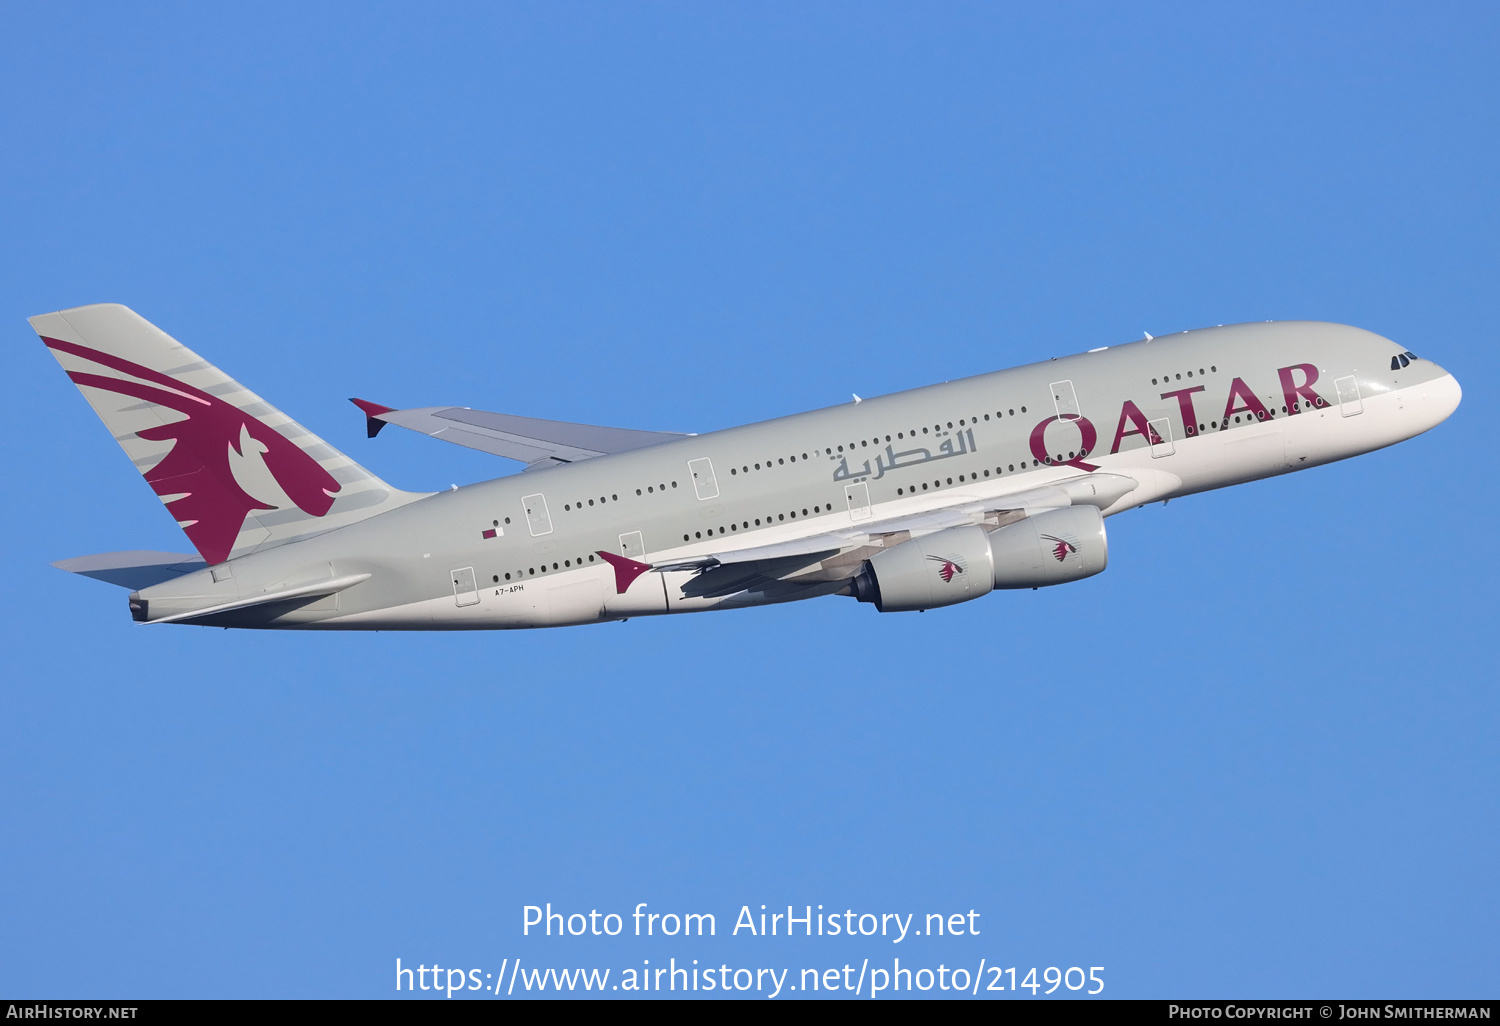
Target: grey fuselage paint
1264	398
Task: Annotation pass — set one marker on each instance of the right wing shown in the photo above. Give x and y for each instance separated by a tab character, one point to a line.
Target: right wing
536	443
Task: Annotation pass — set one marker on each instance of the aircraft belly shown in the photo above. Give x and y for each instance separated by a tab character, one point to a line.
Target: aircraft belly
644	597
568	598
1315	437
572	601
1261	452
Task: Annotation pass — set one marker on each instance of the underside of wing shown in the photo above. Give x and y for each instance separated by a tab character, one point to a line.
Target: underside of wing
824	560
536	443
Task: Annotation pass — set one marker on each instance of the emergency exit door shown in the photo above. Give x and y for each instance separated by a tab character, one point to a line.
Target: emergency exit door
1161	438
705	485
1065	400
538	517
1350	403
857	495
465	587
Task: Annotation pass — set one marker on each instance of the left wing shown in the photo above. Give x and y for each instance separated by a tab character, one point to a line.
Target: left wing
833	556
536	443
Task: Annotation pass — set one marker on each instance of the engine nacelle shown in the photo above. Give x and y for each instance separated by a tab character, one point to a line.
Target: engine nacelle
925	573
1054	547
964	563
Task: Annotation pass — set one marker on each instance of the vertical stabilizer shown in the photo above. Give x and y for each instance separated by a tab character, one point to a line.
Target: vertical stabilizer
235	472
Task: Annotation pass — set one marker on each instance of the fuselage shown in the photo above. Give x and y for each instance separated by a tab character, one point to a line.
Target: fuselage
1176	414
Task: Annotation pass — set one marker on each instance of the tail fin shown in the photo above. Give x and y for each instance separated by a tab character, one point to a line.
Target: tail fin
235	472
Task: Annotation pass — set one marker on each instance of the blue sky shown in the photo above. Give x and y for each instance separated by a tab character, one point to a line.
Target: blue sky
1257	757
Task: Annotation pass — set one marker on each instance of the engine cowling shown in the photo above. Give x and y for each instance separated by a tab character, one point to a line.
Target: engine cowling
1054	547
935	570
964	563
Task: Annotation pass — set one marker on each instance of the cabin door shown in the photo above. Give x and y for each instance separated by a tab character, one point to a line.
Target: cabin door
1349	400
705	485
465	588
858	497
538	519
1065	400
1161	438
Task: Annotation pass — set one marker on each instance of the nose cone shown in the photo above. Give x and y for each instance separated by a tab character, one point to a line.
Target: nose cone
1437	399
1431	402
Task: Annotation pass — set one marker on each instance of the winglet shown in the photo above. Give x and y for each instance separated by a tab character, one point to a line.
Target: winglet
371	411
626	570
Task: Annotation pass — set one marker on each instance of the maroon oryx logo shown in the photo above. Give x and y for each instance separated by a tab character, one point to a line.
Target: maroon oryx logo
948	568
195	478
1063	549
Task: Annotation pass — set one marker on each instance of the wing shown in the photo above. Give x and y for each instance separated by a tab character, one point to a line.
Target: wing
827	559
537	443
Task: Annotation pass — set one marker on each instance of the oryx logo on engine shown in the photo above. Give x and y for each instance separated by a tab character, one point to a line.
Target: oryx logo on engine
1062	549
949	568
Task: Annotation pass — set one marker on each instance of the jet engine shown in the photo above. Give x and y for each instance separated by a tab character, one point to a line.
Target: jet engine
1054	547
924	573
964	563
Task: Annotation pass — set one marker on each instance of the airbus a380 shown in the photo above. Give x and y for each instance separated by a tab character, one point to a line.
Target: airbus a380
908	501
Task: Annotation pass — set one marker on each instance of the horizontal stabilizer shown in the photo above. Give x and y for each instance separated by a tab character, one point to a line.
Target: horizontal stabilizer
318	590
133	570
537	443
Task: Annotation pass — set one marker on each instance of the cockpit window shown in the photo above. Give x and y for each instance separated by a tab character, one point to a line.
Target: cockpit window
1395	363
1412	355
1404	360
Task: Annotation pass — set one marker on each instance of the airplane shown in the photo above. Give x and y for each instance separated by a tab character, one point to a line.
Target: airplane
909	502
